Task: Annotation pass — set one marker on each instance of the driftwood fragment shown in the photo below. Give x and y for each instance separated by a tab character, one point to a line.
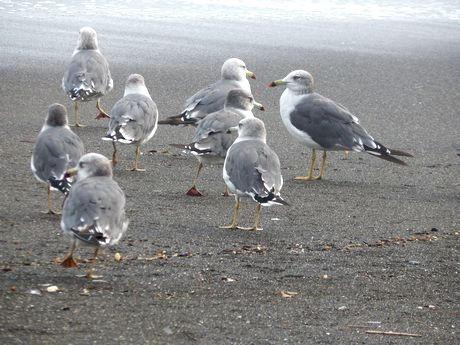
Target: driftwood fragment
402	334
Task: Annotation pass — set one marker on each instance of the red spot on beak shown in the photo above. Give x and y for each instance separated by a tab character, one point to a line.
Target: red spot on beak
253	76
272	84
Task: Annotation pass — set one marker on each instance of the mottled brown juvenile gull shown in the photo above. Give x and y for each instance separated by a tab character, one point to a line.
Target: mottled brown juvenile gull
212	98
252	169
322	124
57	149
133	118
87	77
212	137
94	211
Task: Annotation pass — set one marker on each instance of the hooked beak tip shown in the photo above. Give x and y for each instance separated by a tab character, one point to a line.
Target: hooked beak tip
70	172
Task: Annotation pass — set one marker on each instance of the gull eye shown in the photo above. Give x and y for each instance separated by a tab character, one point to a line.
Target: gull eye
296	77
81	164
240	125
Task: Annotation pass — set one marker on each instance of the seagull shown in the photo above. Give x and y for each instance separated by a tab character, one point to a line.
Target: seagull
133	119
252	169
212	137
57	149
88	76
322	124
212	98
94	211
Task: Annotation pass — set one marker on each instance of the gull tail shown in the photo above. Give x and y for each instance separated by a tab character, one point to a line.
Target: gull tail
110	136
387	154
63	185
117	135
122	133
270	199
83	91
193	148
400	153
92	234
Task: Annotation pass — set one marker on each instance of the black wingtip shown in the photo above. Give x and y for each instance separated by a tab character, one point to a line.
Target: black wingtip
179	146
169	121
116	135
90	235
270	198
63	185
192	148
177	120
281	201
109	137
385	153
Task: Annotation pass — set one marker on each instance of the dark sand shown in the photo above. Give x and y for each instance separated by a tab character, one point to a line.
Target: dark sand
374	246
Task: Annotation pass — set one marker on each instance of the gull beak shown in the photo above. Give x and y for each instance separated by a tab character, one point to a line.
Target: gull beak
259	106
232	130
71	172
277	83
250	74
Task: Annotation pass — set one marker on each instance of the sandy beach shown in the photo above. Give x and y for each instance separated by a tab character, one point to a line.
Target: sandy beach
372	247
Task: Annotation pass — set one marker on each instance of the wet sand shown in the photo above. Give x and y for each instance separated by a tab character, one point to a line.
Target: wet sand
373	246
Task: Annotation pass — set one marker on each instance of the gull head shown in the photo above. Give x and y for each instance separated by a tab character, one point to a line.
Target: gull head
136	84
297	81
57	115
235	69
90	165
252	128
87	40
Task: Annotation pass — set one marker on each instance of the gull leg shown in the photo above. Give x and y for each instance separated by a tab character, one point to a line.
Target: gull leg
236	211
50	206
114	154
89	273
321	169
193	191
77	115
102	113
312	166
63	201
136	160
346	154
68	260
227	192
256	225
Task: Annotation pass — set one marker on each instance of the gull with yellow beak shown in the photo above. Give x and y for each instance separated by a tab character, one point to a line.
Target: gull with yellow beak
322	124
234	75
252	169
94	210
87	77
56	150
213	137
133	118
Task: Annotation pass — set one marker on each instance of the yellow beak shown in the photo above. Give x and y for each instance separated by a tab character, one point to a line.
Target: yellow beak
71	172
277	83
250	74
259	106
